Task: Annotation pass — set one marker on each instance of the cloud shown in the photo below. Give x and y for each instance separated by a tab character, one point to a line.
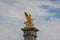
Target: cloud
54	11
12	18
7	10
49	30
50	3
8	1
9	28
8	32
16	10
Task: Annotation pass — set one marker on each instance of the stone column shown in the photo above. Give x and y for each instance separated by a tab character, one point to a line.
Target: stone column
30	33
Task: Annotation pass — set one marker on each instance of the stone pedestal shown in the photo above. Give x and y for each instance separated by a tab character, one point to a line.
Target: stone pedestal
30	33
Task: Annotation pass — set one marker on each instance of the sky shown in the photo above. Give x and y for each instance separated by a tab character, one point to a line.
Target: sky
45	14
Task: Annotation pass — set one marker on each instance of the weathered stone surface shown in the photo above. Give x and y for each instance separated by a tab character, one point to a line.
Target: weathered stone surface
30	33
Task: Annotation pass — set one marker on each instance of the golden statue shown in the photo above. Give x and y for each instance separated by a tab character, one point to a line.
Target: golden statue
29	20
